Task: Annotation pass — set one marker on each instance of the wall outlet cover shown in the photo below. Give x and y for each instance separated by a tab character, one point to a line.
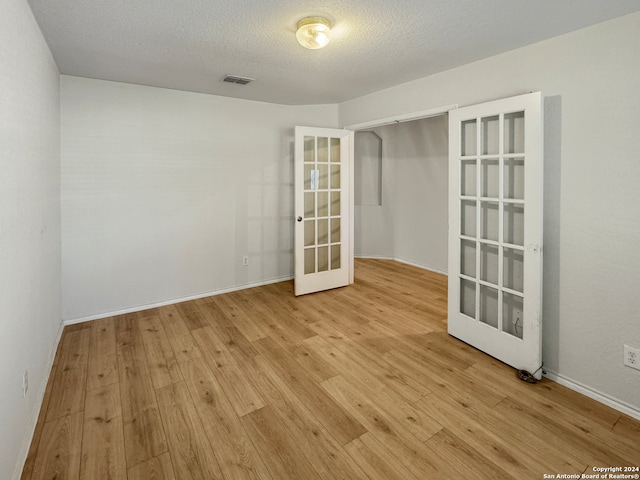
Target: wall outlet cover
632	357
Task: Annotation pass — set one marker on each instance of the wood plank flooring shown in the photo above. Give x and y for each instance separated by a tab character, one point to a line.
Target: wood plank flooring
356	383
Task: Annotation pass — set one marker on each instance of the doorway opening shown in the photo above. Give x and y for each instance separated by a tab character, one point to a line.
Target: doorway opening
401	192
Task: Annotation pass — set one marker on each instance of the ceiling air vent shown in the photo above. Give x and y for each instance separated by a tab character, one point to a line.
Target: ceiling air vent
237	80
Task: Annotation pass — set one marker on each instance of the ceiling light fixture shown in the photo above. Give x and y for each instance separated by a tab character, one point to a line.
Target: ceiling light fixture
313	32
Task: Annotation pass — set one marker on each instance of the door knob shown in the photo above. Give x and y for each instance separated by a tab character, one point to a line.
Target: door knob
299	219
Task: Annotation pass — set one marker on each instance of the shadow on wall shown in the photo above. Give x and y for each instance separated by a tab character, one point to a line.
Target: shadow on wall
266	200
551	239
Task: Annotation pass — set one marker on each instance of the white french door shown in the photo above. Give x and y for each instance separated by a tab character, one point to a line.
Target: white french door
323	173
495	229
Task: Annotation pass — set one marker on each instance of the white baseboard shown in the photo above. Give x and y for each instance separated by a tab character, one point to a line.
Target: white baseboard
24	450
88	318
374	257
424	267
406	262
164	303
594	394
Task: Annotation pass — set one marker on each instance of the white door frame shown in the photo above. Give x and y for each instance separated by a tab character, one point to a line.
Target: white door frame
405	117
331	276
523	349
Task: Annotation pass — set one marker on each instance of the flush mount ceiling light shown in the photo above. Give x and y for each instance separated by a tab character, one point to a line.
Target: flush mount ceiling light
313	32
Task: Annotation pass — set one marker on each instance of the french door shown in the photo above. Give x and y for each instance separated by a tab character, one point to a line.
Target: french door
323	250
495	228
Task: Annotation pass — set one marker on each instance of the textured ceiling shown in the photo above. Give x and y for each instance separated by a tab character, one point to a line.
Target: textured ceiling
191	44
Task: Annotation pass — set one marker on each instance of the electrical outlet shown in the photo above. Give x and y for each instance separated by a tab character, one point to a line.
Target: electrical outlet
25	383
632	357
245	260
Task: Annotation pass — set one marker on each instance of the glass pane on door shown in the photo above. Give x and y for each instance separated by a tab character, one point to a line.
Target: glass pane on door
335	176
468	217
309	260
309	204
309	232
323	259
489	221
513	269
323	231
335	257
335	230
323	177
323	149
514	178
323	204
492	181
322	219
468	298
514	224
489	263
309	149
335	150
469	181
512	315
469	136
335	204
514	132
490	135
468	258
490	178
489	306
309	175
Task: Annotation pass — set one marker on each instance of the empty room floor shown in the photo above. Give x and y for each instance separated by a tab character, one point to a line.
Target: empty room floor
361	382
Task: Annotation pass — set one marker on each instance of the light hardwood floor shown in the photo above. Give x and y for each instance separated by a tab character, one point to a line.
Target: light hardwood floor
356	383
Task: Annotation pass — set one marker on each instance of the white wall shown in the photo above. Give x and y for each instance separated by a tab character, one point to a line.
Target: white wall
164	191
421	203
373	224
592	201
29	226
411	223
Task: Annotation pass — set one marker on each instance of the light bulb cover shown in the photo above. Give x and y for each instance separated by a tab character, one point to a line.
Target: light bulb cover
313	32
